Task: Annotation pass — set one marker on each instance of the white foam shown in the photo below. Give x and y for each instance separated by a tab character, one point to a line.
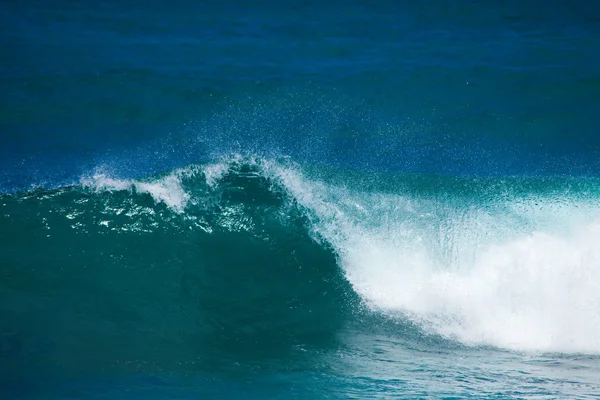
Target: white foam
517	274
167	189
214	172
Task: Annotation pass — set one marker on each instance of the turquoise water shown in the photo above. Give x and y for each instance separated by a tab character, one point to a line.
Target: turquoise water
263	200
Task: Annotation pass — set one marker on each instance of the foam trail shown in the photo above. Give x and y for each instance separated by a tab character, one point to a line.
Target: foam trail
520	274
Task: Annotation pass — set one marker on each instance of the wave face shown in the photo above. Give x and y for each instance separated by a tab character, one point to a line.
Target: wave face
249	259
198	265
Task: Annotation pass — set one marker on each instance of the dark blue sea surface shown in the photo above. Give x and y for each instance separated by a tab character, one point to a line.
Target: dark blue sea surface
299	200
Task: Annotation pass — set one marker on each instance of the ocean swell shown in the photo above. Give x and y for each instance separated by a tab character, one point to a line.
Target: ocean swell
250	258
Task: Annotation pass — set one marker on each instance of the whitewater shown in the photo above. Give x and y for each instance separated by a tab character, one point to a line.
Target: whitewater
356	281
485	263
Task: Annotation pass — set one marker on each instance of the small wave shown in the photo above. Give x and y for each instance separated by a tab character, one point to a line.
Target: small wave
170	188
167	190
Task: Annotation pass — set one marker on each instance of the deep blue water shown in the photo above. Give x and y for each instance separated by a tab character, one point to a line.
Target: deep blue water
249	200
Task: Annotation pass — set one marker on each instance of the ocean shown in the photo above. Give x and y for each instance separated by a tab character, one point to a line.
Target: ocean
300	200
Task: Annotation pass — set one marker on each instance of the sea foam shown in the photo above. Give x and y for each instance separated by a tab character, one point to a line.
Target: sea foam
516	273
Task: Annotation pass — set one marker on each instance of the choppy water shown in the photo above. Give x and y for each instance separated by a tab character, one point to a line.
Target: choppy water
265	200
